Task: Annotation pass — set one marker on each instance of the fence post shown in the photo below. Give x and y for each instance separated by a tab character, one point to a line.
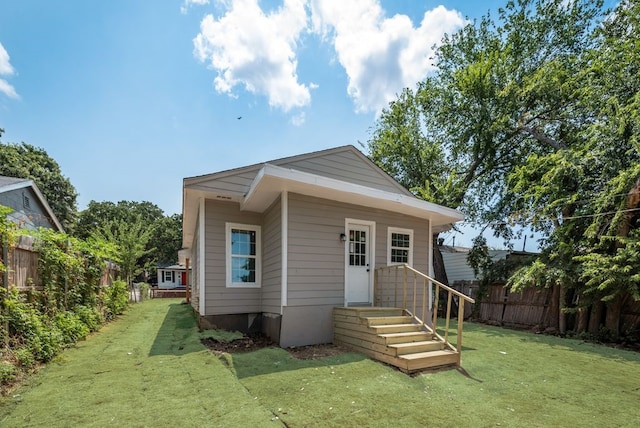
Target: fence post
5	261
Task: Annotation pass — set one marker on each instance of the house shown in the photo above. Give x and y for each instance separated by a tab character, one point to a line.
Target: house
174	276
276	246
458	269
30	209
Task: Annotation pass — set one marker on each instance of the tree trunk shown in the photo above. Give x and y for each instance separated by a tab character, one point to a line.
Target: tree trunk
595	320
612	320
583	319
438	263
562	317
553	317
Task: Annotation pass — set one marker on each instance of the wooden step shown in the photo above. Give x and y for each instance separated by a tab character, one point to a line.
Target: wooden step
367	311
395	328
423	360
415	347
417	336
405	319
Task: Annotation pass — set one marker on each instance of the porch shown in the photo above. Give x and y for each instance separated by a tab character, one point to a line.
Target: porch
401	328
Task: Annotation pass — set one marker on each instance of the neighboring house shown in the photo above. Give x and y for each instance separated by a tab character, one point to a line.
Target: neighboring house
174	276
458	269
456	266
30	209
276	246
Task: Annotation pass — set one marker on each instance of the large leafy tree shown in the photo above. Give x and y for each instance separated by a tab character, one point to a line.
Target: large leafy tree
586	199
533	120
500	93
27	161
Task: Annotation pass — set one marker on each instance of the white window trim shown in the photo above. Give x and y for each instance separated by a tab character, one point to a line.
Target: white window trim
409	232
257	229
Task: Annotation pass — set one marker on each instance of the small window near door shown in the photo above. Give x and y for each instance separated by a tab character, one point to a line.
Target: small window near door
400	246
168	276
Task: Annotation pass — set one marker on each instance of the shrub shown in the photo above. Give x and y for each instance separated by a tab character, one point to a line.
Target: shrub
7	372
24	357
28	328
90	316
143	287
71	327
116	299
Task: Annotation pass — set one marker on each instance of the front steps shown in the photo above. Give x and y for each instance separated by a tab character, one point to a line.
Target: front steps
390	336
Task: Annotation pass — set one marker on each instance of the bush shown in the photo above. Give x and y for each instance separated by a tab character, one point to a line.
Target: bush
24	357
7	372
116	299
27	327
71	327
143	287
90	316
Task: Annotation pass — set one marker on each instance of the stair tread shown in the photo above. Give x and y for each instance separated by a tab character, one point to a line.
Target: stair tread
411	344
428	354
395	325
408	333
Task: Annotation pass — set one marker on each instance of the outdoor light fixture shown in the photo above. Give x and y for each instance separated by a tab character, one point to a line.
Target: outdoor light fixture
343	237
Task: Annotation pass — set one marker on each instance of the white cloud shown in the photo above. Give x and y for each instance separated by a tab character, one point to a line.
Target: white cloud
188	3
6	70
380	55
256	50
299	119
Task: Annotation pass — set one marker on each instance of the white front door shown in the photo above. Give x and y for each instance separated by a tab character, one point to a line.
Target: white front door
358	285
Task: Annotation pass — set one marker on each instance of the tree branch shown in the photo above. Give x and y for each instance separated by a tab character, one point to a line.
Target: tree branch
543	138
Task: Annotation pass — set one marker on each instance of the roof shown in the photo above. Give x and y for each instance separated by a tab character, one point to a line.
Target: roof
12	183
257	186
256	167
173	267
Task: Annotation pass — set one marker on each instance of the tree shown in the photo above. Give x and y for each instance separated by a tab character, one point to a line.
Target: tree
166	238
587	198
500	93
165	232
130	239
535	122
27	161
97	214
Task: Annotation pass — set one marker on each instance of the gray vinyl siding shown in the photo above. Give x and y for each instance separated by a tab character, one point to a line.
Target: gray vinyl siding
218	298
31	217
272	260
345	166
457	268
316	254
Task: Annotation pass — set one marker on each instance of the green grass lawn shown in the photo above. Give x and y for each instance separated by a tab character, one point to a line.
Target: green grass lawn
149	369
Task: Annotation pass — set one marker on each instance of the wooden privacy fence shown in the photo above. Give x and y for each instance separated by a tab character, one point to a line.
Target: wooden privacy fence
534	307
21	262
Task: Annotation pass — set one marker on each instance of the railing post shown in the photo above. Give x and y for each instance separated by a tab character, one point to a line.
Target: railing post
425	296
460	321
404	287
375	286
446	322
415	293
435	308
395	287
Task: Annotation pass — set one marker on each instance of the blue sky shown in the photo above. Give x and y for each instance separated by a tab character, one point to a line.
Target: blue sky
131	96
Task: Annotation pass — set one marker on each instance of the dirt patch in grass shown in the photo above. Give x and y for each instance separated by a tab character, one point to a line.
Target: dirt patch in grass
253	342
